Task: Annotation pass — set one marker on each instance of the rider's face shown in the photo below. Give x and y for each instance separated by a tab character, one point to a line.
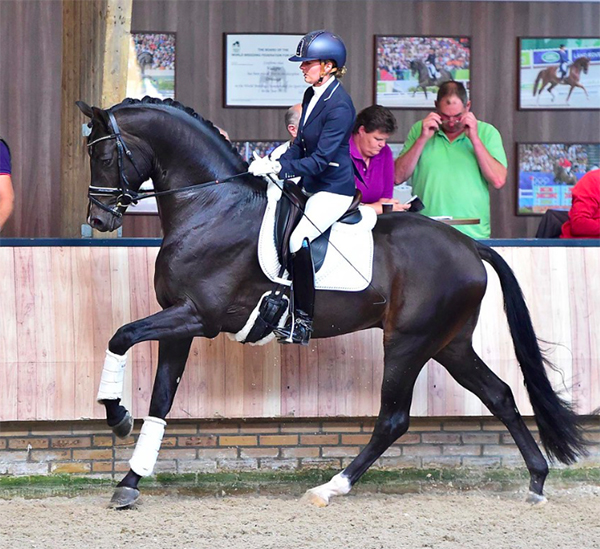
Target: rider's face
312	71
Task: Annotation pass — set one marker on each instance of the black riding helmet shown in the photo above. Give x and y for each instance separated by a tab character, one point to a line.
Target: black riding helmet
321	45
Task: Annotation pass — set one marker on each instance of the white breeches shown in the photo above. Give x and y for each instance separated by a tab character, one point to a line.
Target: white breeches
322	210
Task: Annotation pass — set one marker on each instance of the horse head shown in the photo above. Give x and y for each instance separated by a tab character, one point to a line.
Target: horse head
158	139
585	64
414	67
119	165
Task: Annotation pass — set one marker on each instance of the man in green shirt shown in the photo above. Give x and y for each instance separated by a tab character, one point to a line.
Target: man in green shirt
452	157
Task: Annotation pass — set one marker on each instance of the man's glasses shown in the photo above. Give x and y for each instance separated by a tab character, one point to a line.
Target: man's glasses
446	118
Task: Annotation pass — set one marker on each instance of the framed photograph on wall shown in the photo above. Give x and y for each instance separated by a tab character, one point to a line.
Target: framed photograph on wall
258	73
151	69
262	148
559	73
546	173
410	69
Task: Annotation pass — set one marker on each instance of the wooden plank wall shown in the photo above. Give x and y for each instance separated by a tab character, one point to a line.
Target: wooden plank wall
58	314
30	117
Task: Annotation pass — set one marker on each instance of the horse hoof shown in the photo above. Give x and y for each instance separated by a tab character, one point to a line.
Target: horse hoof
537	500
124	427
124	497
313	497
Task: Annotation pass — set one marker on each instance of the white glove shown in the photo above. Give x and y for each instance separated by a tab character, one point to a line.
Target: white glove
264	166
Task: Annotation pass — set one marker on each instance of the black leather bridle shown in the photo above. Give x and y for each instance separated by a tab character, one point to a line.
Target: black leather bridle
125	195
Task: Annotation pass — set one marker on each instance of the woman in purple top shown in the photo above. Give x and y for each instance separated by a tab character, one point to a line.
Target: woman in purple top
373	158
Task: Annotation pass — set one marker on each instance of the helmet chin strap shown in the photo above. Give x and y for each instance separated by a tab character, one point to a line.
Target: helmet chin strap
323	73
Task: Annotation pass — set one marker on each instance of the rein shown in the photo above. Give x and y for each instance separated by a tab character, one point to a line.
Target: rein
125	195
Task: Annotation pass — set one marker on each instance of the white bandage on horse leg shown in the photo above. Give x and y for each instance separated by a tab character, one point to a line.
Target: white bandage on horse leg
146	450
339	485
111	382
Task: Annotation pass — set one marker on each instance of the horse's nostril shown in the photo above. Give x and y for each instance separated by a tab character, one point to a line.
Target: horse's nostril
95	223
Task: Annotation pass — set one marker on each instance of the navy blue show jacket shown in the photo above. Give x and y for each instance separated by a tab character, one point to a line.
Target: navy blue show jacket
320	154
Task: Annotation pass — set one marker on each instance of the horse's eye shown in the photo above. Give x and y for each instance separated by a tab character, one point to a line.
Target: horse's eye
106	161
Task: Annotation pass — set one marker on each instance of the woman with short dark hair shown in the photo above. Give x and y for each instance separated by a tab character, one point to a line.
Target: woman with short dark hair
373	159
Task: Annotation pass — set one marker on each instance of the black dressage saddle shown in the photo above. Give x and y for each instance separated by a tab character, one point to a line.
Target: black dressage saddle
290	209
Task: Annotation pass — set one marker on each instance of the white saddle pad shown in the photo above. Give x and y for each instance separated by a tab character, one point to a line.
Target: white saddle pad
348	264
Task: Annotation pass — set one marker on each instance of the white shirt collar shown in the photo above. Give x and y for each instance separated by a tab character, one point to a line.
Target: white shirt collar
320	90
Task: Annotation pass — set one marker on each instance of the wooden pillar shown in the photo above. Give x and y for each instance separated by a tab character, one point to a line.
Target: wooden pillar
94	69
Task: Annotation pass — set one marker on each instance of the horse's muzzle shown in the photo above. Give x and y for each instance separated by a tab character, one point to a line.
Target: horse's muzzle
103	222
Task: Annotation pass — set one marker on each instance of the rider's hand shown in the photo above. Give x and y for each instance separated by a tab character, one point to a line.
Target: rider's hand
431	124
470	124
264	166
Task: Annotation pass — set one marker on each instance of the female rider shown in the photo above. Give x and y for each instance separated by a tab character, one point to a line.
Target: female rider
320	154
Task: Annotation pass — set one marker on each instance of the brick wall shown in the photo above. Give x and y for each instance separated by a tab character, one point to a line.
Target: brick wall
89	448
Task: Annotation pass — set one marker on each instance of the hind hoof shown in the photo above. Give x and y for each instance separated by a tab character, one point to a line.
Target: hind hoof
124	428
537	500
124	497
314	498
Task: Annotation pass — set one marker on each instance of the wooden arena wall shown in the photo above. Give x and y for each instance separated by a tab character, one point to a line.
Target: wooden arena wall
31	60
61	305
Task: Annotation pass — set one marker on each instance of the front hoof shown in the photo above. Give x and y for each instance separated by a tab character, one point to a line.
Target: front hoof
124	428
124	497
537	500
313	497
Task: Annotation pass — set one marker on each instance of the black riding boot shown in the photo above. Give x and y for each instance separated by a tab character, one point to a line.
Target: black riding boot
298	327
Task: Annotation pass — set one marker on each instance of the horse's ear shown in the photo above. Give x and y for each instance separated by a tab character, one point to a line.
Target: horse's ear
85	108
101	116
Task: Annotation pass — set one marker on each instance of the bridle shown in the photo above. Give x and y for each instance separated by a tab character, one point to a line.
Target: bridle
125	195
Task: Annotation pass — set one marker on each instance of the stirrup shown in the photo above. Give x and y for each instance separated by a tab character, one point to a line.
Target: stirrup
300	334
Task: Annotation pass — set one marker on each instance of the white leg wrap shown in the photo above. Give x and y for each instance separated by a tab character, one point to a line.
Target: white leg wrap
111	382
146	450
339	485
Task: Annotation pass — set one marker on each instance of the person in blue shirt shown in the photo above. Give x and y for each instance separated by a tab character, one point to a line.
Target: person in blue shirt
564	61
7	196
320	155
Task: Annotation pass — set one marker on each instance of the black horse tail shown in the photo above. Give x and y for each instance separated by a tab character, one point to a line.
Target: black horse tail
559	426
537	81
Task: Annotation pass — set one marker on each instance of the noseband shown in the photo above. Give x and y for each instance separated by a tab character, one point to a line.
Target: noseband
125	196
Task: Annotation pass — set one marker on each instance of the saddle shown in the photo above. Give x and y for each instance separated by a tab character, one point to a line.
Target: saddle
288	214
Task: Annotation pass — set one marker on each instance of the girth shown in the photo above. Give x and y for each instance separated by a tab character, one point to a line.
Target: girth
288	214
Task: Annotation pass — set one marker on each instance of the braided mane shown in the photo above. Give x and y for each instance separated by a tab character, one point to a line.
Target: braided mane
171	103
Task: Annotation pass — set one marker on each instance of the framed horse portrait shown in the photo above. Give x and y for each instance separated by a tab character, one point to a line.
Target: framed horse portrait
410	69
258	73
559	73
151	70
547	172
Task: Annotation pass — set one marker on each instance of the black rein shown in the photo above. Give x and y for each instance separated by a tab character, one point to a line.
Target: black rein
125	195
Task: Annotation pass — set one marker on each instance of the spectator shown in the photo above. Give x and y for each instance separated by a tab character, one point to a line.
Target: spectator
292	120
584	215
373	157
7	196
452	157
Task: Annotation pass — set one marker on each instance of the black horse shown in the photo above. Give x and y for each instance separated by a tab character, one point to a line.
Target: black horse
418	67
208	280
